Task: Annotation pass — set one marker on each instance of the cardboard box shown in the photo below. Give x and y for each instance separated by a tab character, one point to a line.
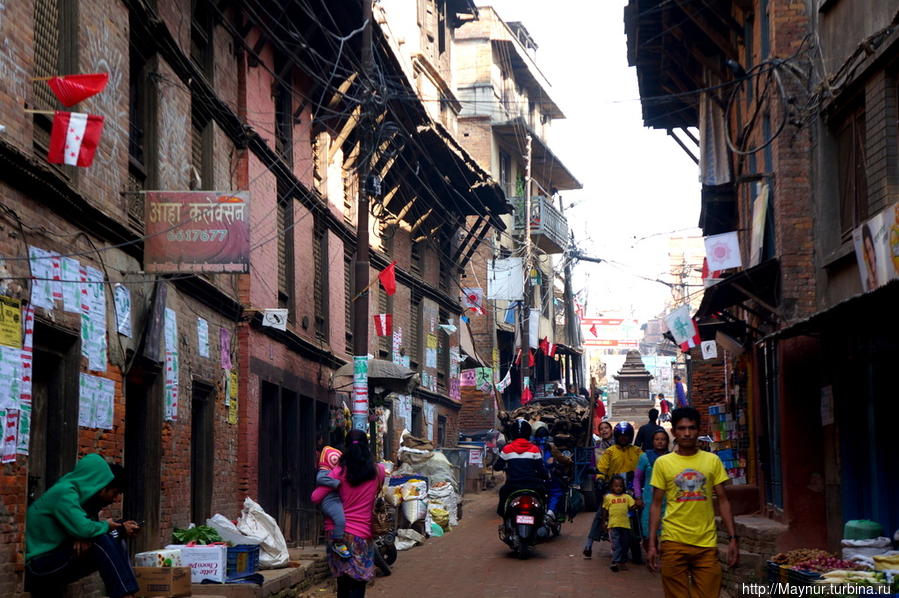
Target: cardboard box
163	581
205	562
158	558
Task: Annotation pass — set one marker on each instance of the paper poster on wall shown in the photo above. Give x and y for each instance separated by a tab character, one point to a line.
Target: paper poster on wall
93	318
403	406
10	322
455	391
484	379
455	358
23	434
96	402
759	216
10	377
430	413
71	285
122	297
397	346
431	351
467	378
232	394
41	277
9	418
360	391
203	337
172	365
877	248
225	348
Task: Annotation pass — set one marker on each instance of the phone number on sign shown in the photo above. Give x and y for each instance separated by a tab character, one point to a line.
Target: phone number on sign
197	234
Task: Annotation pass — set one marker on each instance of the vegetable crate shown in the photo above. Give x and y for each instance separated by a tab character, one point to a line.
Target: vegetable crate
243	561
780	574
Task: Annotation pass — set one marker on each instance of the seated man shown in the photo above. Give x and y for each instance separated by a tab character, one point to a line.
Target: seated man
65	541
522	462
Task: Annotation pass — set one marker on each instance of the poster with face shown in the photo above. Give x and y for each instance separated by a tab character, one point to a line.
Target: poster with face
876	244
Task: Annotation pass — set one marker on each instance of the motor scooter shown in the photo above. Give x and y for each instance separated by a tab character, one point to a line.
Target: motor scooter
524	514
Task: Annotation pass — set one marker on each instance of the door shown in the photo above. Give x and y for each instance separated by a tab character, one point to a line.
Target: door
54	412
202	451
143	451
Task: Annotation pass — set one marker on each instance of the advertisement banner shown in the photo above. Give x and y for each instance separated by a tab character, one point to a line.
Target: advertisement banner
360	392
877	248
197	231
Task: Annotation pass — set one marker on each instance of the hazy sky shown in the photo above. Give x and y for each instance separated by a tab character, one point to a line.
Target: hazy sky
637	181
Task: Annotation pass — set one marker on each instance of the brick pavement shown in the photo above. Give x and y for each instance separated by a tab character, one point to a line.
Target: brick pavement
471	562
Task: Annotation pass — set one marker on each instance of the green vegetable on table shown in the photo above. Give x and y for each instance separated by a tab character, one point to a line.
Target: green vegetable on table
201	534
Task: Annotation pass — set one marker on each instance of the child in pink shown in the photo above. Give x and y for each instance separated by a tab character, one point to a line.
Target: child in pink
331	505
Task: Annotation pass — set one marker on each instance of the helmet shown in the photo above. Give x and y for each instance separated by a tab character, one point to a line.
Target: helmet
519	429
540	429
624	429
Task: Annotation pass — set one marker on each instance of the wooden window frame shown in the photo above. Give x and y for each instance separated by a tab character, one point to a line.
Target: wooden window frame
851	136
320	239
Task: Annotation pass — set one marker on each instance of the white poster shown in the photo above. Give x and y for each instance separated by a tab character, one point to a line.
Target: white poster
122	297
723	251
275	318
71	285
172	371
709	349
430	413
404	410
203	337
505	279
680	324
10	377
41	277
93	318
759	216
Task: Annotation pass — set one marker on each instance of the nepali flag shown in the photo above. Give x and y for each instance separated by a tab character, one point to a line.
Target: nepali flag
74	138
71	89
548	348
593	330
388	278
383	324
693	341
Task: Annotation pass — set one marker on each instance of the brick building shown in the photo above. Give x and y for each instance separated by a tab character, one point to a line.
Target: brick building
203	97
505	99
795	105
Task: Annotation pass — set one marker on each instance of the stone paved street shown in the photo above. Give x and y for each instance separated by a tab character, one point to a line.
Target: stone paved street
472	562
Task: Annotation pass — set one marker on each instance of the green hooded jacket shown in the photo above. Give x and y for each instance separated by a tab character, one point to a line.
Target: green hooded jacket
59	514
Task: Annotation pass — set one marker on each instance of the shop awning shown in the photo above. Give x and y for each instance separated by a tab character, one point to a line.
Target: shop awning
381	373
466	343
858	312
760	284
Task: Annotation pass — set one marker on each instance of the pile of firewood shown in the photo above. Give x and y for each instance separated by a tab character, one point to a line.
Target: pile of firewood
566	418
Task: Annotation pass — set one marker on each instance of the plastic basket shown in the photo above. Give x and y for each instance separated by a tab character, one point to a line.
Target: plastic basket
780	574
243	561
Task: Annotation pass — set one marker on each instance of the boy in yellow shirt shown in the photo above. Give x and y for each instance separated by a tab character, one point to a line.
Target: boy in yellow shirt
687	480
616	506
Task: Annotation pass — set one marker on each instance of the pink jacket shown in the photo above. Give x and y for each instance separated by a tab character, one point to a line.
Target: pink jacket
358	501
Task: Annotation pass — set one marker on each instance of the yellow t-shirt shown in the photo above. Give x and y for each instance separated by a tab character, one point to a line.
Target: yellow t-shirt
618	505
688	483
617	460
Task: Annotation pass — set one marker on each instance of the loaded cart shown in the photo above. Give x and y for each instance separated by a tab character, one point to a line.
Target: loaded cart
568	418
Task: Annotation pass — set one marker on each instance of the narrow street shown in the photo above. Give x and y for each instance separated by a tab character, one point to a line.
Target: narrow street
471	561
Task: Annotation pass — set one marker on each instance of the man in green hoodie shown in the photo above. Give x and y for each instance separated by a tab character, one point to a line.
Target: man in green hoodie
65	540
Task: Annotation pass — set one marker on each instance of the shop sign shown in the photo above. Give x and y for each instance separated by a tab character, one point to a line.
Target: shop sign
197	231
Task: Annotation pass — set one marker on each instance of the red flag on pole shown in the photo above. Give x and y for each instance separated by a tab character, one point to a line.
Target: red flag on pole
74	138
388	278
544	345
526	396
383	324
71	89
531	360
593	330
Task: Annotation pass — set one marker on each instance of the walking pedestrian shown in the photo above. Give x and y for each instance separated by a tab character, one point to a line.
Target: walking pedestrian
664	409
688	549
648	430
680	393
616	507
643	475
360	481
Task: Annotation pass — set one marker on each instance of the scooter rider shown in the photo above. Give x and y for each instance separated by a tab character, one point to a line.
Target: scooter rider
555	462
619	459
523	463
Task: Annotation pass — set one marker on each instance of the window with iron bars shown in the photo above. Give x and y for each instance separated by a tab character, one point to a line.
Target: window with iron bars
414	342
415	261
442	353
385	306
348	294
55	53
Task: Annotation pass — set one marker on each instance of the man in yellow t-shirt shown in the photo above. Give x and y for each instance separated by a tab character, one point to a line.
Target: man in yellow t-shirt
686	479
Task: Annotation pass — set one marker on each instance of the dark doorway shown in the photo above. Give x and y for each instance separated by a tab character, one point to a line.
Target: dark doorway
202	451
54	412
280	438
143	450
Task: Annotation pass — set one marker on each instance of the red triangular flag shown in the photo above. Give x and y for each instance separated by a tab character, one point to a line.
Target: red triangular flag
705	270
531	359
544	345
74	138
551	349
388	278
593	330
71	89
383	324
